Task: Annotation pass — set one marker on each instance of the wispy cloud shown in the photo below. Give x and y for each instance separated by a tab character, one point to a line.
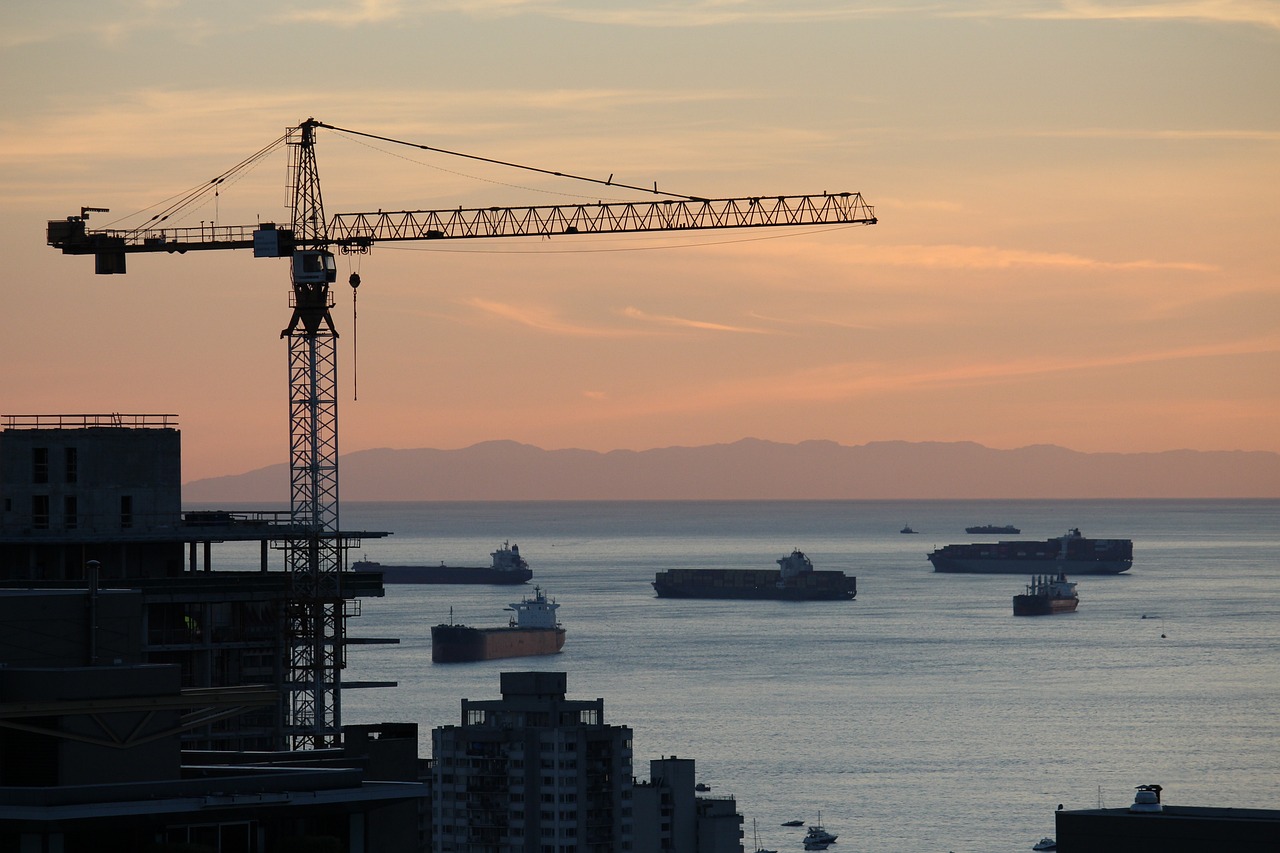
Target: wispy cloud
541	319
962	257
707	13
1264	13
348	14
686	323
836	382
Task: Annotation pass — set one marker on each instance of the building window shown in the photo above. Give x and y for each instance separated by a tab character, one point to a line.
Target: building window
126	510
70	512
39	464
40	512
71	470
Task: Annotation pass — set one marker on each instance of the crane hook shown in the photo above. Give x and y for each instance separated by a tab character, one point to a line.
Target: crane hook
354	281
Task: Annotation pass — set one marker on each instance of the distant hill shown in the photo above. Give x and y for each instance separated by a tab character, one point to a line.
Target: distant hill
752	469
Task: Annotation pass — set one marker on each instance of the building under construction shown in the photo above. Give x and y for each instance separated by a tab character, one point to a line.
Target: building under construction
145	694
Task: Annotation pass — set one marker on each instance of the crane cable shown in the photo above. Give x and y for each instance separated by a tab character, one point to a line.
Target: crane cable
182	201
610	182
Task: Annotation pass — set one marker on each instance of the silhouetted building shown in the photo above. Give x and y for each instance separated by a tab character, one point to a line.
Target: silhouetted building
670	816
532	771
142	695
535	771
93	503
1152	826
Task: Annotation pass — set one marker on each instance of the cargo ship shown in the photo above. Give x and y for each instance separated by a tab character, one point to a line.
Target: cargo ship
793	580
508	567
533	630
1045	595
1069	552
994	528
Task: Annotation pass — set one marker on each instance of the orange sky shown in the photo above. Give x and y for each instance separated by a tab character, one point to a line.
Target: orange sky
1077	202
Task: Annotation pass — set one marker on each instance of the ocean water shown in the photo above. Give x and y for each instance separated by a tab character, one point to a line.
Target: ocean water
923	716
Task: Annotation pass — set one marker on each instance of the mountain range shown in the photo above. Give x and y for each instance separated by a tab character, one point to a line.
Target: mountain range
752	469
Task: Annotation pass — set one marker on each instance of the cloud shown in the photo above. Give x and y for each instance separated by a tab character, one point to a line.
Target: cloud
837	382
685	323
348	14
708	13
541	319
1264	13
995	257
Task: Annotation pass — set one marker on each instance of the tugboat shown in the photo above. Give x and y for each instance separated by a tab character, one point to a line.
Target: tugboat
1046	594
533	630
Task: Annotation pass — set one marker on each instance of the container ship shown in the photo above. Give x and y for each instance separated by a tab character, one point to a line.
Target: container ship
793	580
1069	552
508	567
533	630
1045	595
994	528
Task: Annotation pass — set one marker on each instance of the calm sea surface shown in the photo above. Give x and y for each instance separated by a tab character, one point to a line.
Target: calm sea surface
921	717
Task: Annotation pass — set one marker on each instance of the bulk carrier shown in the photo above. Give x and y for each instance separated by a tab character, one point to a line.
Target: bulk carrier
508	567
793	580
1069	552
533	630
1046	595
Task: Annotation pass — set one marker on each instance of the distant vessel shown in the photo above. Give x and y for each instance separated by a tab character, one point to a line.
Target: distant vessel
793	580
1045	843
993	528
1069	552
1046	594
906	529
533	630
755	830
508	567
817	837
794	823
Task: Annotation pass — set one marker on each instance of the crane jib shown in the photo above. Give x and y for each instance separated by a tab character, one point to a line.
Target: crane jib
361	230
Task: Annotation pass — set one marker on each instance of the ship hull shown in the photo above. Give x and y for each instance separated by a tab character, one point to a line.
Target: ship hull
754	584
445	574
460	643
1042	605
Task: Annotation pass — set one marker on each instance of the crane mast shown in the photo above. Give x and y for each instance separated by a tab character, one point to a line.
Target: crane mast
313	556
314	613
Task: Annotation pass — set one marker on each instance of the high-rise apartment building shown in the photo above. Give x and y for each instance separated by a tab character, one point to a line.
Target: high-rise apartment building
533	772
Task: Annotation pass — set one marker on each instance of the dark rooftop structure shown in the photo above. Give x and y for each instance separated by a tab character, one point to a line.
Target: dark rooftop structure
1152	826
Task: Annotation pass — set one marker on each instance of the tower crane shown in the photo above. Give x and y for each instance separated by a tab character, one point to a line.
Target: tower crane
315	548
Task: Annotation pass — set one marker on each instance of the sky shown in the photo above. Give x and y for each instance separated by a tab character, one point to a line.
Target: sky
1077	237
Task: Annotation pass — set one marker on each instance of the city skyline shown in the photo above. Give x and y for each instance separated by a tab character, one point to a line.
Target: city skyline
1075	244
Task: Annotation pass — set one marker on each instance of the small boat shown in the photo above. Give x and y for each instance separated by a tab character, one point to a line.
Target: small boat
817	837
794	823
907	529
756	832
1045	843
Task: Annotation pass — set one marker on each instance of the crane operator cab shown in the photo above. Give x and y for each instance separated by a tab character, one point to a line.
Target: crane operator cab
314	266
